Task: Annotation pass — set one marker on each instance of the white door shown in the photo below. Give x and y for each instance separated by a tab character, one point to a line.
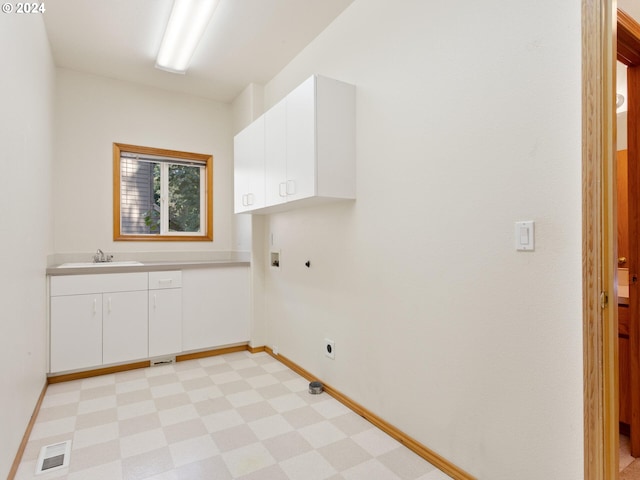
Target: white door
240	171
124	327
301	141
165	321
249	185
275	144
76	332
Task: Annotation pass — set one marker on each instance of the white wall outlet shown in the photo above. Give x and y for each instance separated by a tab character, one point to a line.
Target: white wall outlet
330	348
275	350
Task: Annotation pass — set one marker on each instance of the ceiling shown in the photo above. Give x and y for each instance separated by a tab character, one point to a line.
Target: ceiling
247	41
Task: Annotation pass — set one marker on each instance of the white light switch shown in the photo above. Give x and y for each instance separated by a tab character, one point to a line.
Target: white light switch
525	240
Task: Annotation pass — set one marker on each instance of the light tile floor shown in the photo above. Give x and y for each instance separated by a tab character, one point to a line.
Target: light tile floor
239	415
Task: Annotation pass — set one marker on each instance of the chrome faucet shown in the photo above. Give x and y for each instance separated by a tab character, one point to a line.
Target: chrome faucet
100	257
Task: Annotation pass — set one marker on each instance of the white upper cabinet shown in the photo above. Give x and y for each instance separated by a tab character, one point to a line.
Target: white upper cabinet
249	167
308	148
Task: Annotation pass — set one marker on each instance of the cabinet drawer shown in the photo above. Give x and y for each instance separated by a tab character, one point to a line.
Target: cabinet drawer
169	279
98	283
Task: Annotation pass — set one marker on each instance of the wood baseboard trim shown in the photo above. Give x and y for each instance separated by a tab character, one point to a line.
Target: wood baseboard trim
256	349
27	434
211	353
429	455
67	377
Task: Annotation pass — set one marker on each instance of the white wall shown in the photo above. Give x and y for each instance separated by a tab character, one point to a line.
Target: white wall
467	121
247	107
631	7
26	96
92	113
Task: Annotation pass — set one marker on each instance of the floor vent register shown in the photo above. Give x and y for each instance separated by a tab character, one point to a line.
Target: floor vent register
53	457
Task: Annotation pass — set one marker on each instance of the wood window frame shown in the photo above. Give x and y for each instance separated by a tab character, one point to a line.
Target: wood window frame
207	160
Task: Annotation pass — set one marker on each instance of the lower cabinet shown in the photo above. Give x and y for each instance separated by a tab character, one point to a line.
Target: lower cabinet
112	318
98	320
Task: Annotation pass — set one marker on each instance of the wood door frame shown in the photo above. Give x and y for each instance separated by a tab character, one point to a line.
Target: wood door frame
599	231
607	35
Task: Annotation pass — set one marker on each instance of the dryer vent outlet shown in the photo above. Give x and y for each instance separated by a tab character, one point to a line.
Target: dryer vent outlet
330	348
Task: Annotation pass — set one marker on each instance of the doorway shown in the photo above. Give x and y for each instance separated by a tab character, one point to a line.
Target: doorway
600	49
600	333
628	53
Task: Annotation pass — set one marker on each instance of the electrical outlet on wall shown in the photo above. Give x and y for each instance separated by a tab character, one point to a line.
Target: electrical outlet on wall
275	350
330	348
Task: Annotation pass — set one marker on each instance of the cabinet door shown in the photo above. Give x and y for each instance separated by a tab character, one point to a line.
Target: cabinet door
165	321
124	327
76	332
215	307
624	392
275	139
301	141
249	186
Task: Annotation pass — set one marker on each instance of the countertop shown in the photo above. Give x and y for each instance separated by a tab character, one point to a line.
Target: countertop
144	267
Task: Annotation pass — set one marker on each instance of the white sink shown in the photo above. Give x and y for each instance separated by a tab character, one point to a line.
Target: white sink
123	263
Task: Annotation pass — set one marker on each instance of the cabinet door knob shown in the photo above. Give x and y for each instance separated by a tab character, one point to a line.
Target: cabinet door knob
622	260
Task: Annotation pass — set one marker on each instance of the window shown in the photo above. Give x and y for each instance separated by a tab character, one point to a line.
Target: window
161	194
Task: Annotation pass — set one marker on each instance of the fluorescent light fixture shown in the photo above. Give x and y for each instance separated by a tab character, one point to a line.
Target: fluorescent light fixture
187	23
